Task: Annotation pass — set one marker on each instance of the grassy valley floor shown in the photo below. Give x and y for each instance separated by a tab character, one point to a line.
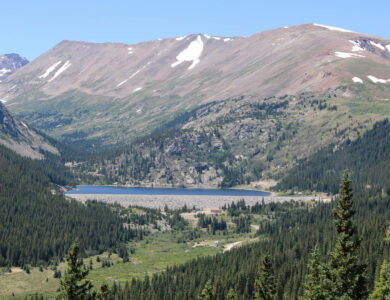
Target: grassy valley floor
151	255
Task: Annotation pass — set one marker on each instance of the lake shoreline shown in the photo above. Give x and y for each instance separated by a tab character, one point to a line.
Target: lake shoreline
116	190
178	201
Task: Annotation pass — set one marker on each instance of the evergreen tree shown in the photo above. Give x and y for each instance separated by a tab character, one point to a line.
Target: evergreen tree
207	293
231	295
347	280
265	288
315	287
74	286
104	292
382	285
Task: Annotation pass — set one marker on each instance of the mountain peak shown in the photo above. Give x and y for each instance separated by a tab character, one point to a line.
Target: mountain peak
9	63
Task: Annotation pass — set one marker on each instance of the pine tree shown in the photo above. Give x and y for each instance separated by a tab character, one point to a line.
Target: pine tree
231	295
382	285
347	280
315	287
207	293
103	293
74	286
265	288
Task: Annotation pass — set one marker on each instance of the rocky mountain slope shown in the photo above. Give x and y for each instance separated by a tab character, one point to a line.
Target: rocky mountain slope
9	63
239	141
110	93
19	137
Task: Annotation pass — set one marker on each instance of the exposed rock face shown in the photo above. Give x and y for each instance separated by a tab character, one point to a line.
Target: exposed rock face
9	63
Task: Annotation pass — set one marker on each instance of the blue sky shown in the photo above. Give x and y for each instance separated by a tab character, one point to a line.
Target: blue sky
32	27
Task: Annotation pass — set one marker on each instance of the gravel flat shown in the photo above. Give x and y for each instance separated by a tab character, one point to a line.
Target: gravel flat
178	201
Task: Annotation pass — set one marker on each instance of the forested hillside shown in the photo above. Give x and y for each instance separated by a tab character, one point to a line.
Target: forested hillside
367	158
38	224
288	239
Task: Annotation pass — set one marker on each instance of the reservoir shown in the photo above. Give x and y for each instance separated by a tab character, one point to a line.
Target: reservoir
107	190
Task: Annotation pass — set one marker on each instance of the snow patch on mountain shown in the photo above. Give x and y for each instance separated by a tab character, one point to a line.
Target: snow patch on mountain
130	50
388	47
50	69
357	80
139	70
346	55
356	46
227	39
120	83
137	89
207	36
216	38
180	38
65	66
377	45
4	71
191	53
333	28
377	80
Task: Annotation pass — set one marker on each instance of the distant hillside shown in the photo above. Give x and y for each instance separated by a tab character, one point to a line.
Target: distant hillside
18	136
110	93
9	63
237	141
38	224
367	158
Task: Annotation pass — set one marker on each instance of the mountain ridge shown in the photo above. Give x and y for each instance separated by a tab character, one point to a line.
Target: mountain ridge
80	89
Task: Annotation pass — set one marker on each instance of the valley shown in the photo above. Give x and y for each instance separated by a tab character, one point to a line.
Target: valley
267	124
165	247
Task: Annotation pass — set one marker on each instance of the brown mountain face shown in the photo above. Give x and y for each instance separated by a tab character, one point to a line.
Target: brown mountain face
17	136
114	92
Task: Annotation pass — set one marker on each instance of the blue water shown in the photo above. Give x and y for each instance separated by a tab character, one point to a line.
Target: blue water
99	189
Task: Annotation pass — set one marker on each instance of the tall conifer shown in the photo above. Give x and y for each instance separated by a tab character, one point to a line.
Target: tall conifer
74	286
265	288
382	285
315	287
346	274
207	292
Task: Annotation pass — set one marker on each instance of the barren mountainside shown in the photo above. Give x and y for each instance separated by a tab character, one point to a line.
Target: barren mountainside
111	93
19	137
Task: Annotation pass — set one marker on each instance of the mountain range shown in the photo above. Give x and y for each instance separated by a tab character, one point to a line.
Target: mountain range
110	93
201	110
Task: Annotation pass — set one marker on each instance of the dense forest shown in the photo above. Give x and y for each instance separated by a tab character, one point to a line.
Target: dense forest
38	224
367	158
288	239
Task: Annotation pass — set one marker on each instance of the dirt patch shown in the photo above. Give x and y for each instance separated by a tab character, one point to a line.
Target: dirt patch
16	270
228	247
206	244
